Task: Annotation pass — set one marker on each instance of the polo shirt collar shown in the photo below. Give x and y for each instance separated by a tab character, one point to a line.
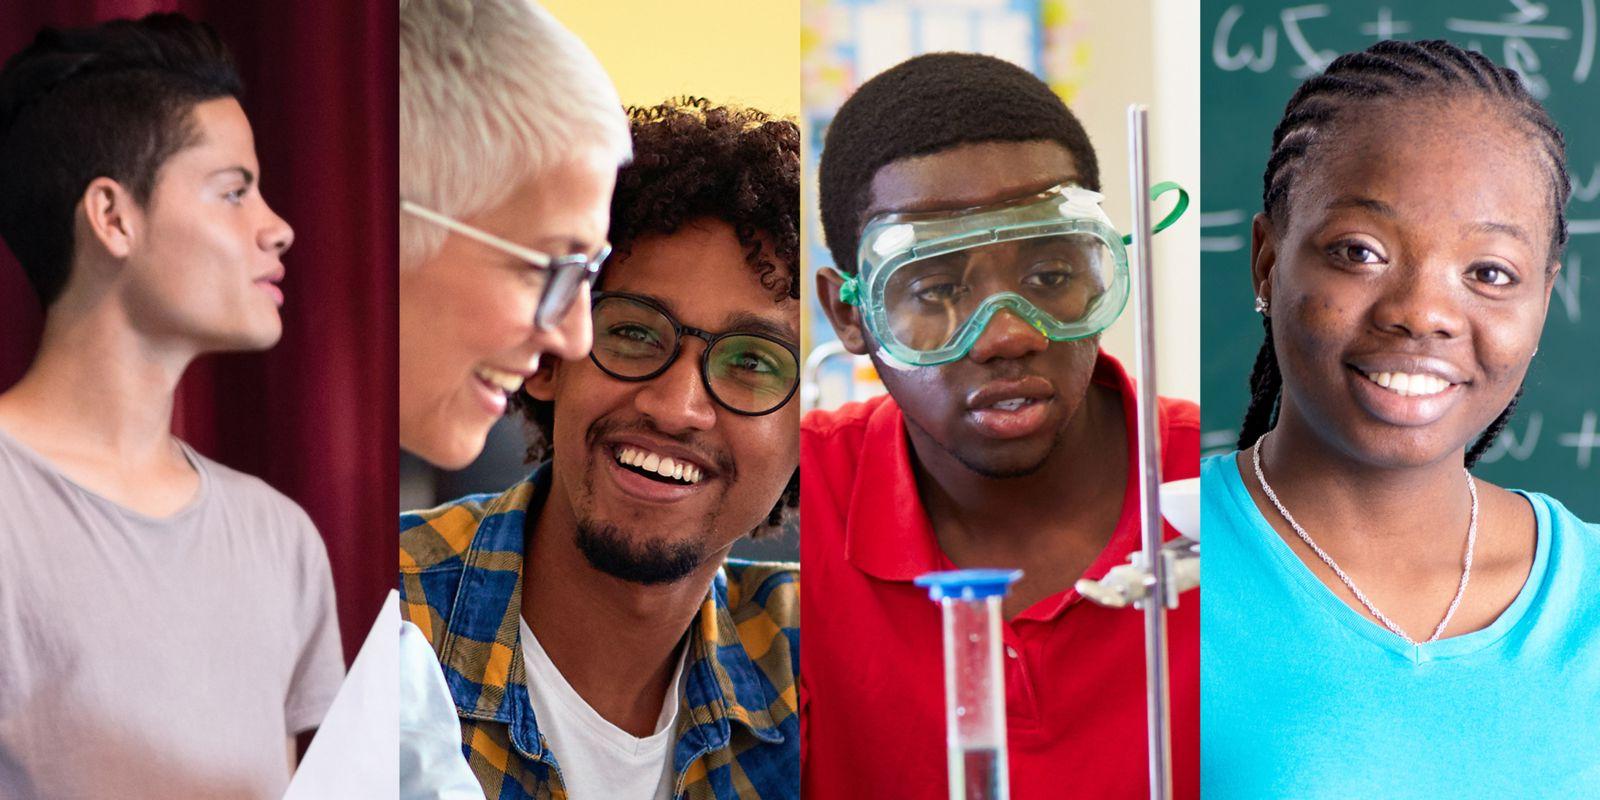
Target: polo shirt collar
889	536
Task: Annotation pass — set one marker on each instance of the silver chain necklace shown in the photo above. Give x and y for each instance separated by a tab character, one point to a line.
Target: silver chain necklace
1466	566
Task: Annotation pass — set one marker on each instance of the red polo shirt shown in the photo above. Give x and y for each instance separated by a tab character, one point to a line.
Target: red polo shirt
872	682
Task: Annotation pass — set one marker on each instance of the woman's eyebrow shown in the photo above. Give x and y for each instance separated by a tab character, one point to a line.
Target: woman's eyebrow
1514	231
1378	207
559	245
1383	209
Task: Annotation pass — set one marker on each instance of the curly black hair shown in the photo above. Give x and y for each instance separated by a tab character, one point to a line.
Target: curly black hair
694	160
925	105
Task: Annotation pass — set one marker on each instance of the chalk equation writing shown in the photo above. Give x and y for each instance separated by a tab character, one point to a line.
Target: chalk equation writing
1567	283
1584	440
1517	33
1519	445
1212	220
1585	191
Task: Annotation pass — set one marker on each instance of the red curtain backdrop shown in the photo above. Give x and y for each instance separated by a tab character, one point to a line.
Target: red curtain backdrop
315	416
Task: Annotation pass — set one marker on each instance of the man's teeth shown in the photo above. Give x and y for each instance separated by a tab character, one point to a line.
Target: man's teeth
1012	404
659	464
508	382
1408	384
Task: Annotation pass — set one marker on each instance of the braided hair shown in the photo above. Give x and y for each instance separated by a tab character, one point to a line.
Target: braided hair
1391	70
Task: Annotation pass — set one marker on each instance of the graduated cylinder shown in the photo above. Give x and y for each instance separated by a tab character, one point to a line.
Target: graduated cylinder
974	679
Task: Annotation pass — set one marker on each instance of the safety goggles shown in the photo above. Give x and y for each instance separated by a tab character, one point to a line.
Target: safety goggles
928	283
556	278
636	339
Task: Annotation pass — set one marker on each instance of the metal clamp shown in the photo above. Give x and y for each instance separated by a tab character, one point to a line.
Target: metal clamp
1134	583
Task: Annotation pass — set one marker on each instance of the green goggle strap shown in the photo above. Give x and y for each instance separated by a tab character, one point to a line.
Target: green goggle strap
1172	216
850	290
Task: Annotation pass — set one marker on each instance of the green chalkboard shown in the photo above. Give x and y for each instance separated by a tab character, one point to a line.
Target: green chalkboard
1255	53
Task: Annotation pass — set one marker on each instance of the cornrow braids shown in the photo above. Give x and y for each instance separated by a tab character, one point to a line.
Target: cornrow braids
1392	70
1492	432
1266	390
1266	385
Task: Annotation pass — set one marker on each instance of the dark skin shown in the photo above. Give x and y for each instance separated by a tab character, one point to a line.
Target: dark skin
1421	245
1031	502
617	642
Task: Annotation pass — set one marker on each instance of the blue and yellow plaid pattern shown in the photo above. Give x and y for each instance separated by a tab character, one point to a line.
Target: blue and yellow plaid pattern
738	730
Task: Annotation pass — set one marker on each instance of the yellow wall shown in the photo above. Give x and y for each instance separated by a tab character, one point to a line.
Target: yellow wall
739	51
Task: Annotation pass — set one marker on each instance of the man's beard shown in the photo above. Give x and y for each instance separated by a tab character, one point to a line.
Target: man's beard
610	550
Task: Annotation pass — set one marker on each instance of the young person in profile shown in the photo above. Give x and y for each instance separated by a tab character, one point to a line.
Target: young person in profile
167	624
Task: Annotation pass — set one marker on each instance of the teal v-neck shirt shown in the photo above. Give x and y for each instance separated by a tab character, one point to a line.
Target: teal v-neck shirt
1303	697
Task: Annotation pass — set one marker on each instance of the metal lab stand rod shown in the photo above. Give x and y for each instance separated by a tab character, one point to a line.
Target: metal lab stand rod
1158	715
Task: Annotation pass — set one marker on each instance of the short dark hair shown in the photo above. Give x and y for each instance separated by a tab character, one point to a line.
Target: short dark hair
112	100
696	160
925	105
1394	70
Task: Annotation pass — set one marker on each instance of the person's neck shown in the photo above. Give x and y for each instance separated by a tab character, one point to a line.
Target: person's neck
1051	523
98	391
615	642
1368	513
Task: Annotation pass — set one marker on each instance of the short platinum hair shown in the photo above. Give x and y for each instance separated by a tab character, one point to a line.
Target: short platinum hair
492	92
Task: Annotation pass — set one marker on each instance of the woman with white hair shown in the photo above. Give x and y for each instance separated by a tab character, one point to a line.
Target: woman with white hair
510	139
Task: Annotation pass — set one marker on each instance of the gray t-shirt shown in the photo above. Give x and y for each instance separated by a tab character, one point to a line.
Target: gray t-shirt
157	658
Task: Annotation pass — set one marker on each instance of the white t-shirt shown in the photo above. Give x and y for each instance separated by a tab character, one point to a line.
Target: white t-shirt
598	760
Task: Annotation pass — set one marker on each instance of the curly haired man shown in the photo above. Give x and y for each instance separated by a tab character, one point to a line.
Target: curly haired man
595	637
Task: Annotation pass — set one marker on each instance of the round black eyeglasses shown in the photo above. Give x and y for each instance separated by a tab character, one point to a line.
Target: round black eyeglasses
636	339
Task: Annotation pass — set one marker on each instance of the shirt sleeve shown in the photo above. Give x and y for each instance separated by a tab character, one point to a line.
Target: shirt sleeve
320	666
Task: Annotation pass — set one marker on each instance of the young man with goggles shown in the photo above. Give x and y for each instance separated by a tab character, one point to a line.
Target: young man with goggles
595	637
977	270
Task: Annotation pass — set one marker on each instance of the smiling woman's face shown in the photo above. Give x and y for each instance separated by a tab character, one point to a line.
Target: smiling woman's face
1409	282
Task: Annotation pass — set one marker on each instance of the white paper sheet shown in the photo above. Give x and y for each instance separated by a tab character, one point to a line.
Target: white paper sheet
356	753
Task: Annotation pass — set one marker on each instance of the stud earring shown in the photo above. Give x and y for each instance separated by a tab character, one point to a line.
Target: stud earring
1261	305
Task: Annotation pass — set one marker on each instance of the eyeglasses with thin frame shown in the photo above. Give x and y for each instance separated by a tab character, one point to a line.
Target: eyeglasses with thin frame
746	372
565	274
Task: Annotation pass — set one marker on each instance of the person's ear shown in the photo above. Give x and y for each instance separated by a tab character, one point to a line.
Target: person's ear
541	385
111	216
845	318
1263	257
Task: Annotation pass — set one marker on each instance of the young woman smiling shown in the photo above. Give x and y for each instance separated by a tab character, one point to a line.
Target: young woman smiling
1378	623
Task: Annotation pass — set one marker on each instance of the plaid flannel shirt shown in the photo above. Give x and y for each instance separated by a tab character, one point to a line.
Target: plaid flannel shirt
738	730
